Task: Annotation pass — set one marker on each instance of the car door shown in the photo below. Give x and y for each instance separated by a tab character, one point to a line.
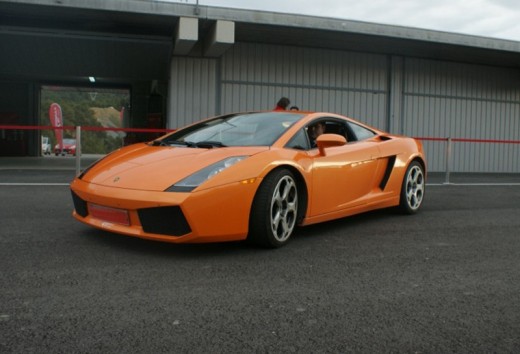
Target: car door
345	176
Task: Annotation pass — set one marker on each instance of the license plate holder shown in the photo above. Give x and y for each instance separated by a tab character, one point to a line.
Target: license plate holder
108	214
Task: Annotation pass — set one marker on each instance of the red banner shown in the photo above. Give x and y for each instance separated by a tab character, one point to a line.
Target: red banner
56	119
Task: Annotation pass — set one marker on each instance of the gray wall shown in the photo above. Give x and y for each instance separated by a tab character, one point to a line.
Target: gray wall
256	76
421	98
193	91
464	101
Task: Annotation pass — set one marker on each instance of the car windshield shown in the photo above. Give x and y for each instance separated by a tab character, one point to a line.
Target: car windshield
248	129
69	141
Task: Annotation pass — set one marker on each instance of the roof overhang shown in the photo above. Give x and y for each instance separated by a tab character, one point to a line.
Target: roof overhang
68	24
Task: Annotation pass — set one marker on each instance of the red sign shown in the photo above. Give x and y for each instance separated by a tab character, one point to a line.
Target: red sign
56	119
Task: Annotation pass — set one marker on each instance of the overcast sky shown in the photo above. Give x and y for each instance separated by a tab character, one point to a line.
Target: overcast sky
488	18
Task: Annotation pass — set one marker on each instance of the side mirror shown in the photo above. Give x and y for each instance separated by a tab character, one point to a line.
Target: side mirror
329	140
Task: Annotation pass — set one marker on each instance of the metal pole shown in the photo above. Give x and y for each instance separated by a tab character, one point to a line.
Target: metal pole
448	160
78	150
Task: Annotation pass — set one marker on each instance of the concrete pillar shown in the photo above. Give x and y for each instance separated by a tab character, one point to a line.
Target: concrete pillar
220	38
186	36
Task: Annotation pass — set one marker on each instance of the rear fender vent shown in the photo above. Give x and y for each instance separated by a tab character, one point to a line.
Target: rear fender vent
389	167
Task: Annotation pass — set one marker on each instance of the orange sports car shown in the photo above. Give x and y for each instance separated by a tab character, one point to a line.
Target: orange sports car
254	175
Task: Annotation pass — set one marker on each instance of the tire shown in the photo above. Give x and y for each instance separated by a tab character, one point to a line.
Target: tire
275	210
413	188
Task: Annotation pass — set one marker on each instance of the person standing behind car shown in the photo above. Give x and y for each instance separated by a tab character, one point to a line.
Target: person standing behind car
282	104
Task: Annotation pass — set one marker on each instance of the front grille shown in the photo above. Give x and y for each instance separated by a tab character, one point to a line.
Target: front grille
80	205
164	220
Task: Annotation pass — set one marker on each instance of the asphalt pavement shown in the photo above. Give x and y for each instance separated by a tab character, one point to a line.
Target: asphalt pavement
444	280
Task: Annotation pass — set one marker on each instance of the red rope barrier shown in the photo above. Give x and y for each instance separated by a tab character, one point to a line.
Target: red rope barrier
69	127
465	140
151	130
462	140
431	139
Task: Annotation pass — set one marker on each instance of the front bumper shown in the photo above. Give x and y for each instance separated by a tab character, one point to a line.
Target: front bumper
213	215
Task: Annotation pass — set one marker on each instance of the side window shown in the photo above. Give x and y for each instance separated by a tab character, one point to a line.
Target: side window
325	126
299	141
360	132
335	127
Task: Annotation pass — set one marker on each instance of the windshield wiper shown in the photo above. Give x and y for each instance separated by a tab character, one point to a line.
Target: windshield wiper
158	143
209	144
177	142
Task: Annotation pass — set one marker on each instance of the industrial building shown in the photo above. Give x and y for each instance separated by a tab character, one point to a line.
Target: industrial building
184	62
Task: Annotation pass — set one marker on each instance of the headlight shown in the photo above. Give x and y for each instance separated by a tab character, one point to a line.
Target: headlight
191	182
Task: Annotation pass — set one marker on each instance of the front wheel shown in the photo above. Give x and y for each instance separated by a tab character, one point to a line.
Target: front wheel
275	210
412	190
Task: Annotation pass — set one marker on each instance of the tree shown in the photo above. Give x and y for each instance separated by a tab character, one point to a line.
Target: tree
76	105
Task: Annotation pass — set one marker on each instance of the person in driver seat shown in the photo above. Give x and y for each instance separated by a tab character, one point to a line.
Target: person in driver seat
315	131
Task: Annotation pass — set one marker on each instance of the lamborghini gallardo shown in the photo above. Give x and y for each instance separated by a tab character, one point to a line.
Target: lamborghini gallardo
255	176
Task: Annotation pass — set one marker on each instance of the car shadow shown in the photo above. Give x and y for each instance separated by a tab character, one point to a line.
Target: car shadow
346	224
304	237
143	246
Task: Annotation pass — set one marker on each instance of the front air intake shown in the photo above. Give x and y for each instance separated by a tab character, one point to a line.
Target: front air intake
164	220
80	205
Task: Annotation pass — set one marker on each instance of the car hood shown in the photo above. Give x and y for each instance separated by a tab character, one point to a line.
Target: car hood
156	168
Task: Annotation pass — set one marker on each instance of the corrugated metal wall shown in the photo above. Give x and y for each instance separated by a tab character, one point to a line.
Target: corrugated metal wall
193	90
421	98
255	76
456	100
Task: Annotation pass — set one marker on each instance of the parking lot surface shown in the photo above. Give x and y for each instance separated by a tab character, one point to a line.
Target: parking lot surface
444	280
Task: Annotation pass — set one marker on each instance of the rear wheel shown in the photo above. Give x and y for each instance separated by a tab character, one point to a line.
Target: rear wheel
275	210
412	190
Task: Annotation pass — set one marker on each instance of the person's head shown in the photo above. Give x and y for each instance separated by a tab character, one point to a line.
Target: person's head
283	102
294	108
317	129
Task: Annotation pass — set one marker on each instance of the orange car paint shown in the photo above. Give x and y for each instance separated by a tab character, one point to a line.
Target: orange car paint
338	179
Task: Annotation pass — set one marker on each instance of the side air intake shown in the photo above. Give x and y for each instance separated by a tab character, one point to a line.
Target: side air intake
80	205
